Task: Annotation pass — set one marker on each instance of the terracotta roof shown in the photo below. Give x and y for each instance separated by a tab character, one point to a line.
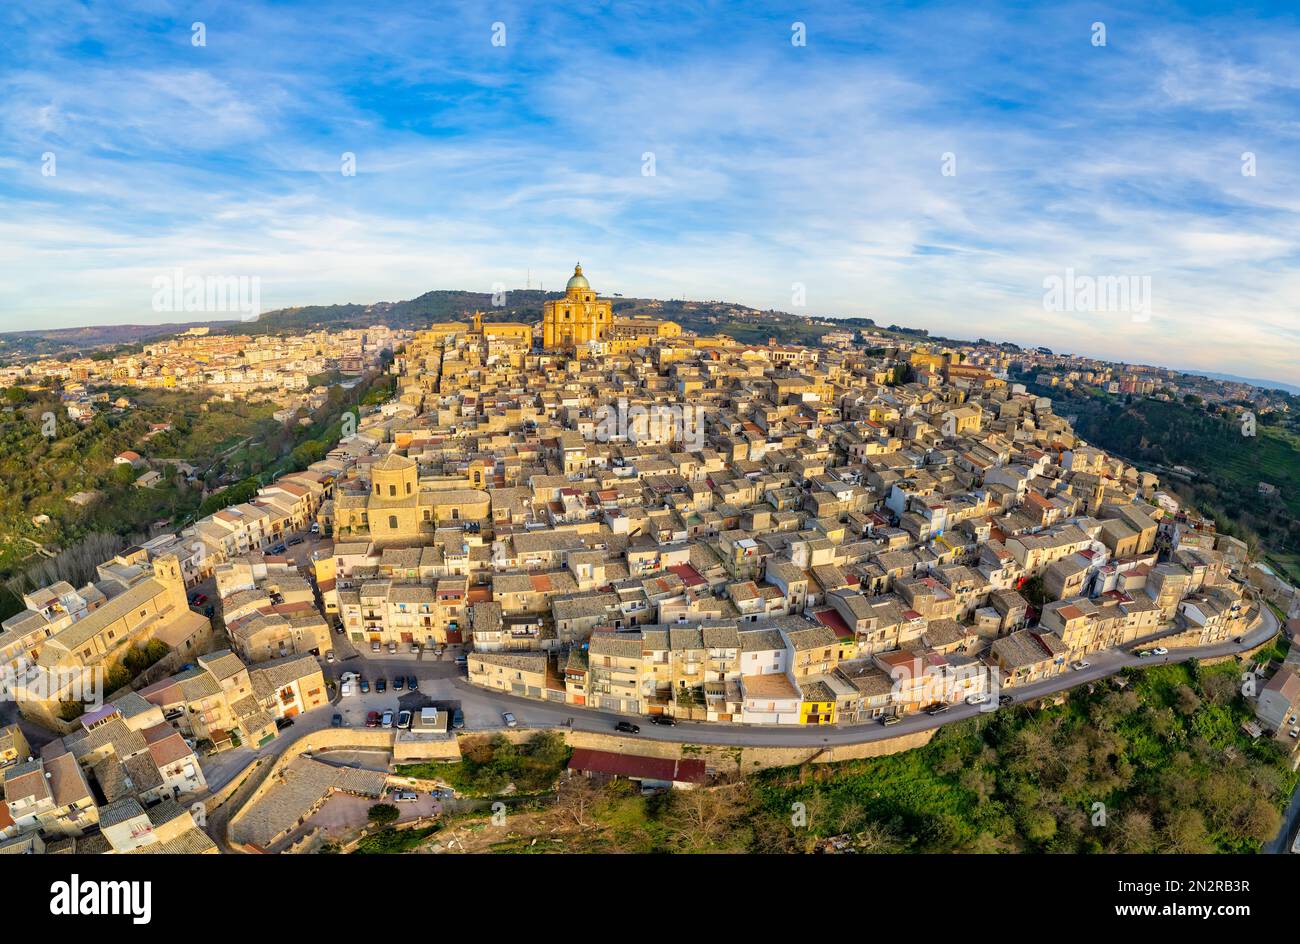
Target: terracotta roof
680	770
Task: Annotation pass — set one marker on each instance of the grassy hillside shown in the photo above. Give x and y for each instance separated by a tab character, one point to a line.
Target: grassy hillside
1166	760
1160	766
236	444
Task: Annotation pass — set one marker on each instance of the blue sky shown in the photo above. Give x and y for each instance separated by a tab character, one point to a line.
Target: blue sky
774	164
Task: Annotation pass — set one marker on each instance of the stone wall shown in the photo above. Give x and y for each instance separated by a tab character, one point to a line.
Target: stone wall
334	739
727	759
433	749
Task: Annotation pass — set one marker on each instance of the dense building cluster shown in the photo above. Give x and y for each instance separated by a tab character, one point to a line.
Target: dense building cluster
814	536
611	513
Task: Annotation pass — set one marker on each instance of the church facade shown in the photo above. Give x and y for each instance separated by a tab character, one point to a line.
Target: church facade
578	317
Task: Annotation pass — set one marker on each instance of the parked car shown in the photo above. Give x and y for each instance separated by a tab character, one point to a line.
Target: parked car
627	727
1145	654
329	655
338	628
293	541
462	661
405	796
1237	640
336	721
403	719
1160	651
458	719
666	720
198	599
392	648
372	719
1080	664
282	723
415	648
387	720
314	529
1005	699
374	645
399	682
510	720
365	686
279	549
887	720
412	683
979	698
381	684
938	708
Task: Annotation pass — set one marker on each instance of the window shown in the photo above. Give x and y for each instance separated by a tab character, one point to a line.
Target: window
408	488
392	491
392	522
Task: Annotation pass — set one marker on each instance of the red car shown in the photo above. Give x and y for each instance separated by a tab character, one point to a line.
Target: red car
198	599
372	719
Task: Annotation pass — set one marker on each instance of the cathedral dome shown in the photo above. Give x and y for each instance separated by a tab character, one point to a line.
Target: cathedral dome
578	281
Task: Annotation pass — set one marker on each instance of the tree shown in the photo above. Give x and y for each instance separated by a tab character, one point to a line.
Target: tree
1186	700
574	799
381	814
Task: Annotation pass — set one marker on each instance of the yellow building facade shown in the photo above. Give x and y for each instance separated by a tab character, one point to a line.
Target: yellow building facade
578	317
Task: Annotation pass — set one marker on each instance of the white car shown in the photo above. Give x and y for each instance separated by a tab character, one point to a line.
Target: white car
979	698
1160	651
1080	665
510	720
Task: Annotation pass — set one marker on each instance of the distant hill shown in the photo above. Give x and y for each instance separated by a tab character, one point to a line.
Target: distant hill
707	317
1253	381
52	342
745	324
442	305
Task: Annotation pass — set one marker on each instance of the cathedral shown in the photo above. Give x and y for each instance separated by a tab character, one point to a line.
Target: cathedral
570	322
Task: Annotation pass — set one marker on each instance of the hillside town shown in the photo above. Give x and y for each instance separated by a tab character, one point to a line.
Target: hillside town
280	369
610	517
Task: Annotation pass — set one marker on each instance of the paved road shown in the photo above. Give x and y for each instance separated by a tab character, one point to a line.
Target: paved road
1290	823
442	682
533	713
